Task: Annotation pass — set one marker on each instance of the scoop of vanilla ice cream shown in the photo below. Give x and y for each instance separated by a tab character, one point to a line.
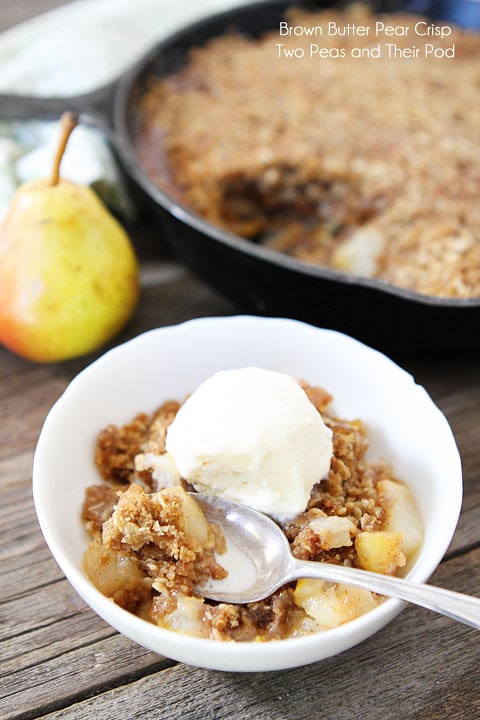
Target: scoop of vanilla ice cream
252	436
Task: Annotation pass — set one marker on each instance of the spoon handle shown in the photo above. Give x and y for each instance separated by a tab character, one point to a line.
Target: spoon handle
464	608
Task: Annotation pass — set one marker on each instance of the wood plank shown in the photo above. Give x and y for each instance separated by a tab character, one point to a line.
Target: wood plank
455	387
104	660
54	661
422	666
467	534
12	13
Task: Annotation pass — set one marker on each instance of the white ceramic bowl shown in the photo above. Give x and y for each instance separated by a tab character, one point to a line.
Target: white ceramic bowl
404	426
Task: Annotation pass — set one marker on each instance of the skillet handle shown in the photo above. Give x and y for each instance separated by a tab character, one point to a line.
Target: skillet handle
94	108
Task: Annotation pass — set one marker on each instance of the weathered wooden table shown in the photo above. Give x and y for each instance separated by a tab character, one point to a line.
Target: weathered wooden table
59	660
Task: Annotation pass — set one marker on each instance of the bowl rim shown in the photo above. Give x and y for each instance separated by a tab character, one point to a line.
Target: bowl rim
226	655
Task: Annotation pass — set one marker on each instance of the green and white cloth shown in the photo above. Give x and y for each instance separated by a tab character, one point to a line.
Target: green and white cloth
68	51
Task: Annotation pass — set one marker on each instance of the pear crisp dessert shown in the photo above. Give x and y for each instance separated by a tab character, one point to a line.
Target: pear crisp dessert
368	165
151	545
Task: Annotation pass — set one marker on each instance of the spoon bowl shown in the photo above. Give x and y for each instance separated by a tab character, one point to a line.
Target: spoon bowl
257	558
259	561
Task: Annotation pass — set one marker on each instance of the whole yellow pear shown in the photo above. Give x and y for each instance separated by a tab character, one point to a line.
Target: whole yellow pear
68	272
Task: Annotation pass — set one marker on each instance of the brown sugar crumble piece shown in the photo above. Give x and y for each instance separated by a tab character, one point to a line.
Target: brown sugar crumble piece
270	619
169	536
117	447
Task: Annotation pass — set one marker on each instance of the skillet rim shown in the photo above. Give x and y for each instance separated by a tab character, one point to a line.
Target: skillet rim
131	82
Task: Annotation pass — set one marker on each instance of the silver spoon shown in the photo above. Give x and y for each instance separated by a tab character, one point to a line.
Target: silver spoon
259	561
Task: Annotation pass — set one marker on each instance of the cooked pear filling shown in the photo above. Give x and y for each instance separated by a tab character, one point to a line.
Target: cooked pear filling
151	544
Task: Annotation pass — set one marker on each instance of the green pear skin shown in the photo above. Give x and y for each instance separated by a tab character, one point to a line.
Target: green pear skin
68	273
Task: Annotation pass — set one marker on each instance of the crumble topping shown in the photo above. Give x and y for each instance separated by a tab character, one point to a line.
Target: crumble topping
371	166
150	548
168	536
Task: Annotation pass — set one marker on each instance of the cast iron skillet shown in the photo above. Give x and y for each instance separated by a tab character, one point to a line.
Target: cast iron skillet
395	320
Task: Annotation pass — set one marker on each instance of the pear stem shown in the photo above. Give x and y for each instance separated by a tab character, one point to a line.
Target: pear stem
68	123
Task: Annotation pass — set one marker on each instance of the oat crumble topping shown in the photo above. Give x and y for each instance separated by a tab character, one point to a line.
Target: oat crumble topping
371	166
